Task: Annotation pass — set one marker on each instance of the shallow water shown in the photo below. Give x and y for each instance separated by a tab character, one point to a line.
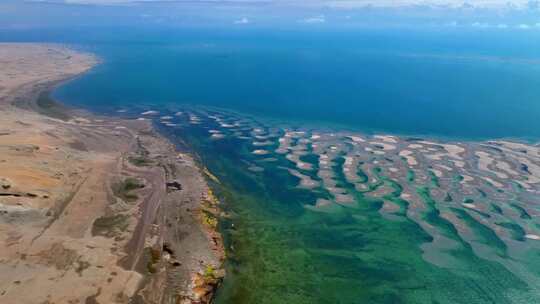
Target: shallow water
282	250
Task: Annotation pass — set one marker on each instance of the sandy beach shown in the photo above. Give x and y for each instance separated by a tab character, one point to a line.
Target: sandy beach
95	209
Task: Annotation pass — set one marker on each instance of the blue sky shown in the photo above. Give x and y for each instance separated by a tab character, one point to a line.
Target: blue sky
335	4
523	15
345	4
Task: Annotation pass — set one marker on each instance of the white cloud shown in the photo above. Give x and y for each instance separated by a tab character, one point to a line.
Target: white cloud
466	4
243	20
316	19
480	24
484	25
343	4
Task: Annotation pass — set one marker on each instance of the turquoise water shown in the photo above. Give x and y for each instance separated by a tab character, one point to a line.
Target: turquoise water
280	251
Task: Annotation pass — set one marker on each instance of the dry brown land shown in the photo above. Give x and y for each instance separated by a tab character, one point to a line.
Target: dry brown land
93	209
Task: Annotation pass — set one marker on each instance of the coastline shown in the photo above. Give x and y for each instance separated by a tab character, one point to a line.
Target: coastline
156	226
126	203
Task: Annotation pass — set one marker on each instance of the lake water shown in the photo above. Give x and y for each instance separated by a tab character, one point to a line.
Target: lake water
447	84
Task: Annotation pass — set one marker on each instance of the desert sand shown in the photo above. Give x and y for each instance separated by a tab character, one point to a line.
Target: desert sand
94	209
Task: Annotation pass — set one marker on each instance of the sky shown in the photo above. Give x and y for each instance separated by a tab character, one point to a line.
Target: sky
346	4
515	15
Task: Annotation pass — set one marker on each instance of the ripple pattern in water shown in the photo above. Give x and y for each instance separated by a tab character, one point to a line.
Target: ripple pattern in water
328	216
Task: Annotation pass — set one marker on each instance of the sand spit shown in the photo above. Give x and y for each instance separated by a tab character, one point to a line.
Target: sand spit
411	160
306	182
295	158
383	146
86	214
532	237
387	138
262	143
260	152
217	136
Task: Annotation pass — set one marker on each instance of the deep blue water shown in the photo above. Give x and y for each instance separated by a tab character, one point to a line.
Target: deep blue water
446	83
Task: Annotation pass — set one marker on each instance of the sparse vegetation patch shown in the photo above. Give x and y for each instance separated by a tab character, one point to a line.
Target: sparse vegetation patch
110	226
124	189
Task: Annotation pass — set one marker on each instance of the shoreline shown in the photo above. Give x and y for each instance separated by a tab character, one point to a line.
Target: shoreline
445	191
141	184
161	215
